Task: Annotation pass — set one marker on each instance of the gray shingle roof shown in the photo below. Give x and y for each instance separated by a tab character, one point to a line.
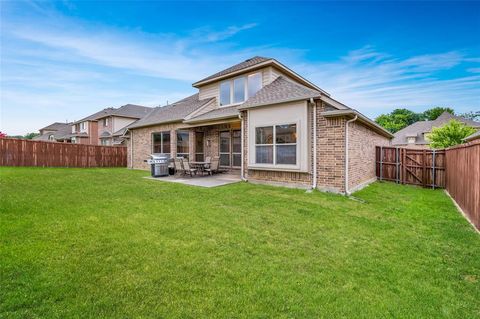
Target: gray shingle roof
171	113
279	91
121	131
216	114
237	67
105	134
55	126
418	129
60	131
127	110
472	137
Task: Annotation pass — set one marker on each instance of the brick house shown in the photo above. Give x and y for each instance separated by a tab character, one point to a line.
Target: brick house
415	135
268	124
107	126
55	132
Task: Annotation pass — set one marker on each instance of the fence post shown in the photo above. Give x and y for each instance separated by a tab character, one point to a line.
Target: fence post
381	162
433	169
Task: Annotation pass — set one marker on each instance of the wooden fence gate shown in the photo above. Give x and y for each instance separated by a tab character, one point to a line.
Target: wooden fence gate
411	166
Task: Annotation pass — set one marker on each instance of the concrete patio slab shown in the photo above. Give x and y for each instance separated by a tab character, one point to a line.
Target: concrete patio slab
202	181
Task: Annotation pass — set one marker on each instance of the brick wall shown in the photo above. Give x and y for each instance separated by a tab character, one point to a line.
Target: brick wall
330	152
361	154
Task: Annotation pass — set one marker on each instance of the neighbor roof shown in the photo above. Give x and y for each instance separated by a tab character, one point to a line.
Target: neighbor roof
127	110
60	131
472	137
418	129
55	126
279	91
171	113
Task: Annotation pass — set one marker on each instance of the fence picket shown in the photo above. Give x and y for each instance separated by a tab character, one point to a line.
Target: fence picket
20	152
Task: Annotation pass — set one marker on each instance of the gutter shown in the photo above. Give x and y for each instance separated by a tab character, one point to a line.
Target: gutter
314	184
346	153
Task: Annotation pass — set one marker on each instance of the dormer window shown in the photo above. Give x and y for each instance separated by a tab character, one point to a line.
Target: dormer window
238	90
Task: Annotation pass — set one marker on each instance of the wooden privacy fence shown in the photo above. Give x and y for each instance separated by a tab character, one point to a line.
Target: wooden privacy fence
411	166
19	152
463	178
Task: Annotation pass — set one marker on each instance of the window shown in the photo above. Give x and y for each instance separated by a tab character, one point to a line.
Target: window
276	145
74	140
240	89
199	156
105	142
83	126
161	142
225	148
264	145
105	121
225	97
254	83
182	144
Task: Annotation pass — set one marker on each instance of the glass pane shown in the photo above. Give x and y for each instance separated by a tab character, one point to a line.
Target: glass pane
239	90
184	155
157	142
286	133
287	154
166	142
182	143
254	83
264	154
199	157
236	142
264	135
199	142
225	159
237	159
224	142
225	93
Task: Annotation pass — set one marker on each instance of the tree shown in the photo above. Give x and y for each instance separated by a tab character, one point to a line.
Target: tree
398	119
474	116
2	135
449	134
433	113
29	136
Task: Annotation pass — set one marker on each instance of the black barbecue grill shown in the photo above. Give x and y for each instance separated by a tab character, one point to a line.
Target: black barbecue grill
159	164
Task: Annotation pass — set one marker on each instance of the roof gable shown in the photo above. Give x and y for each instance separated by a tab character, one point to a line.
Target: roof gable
280	91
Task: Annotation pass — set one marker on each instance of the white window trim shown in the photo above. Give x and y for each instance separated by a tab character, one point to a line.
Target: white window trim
232	92
274	165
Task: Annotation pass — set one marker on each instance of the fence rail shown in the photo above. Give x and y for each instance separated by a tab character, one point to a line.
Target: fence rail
411	166
19	152
463	178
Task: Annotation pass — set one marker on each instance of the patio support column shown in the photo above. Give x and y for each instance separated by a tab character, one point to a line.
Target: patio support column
173	143
191	144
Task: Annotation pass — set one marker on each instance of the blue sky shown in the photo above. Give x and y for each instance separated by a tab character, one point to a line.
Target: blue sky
64	60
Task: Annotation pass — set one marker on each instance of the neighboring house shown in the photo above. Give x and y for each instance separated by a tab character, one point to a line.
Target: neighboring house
473	137
107	126
55	132
267	123
415	135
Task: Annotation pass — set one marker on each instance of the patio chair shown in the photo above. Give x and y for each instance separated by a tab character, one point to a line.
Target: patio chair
213	168
208	161
177	163
187	169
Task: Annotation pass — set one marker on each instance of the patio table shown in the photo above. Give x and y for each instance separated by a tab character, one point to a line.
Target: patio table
199	166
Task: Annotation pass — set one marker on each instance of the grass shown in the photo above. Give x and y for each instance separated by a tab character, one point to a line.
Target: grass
107	243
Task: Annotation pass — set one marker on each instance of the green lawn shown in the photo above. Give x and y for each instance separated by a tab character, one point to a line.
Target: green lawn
107	243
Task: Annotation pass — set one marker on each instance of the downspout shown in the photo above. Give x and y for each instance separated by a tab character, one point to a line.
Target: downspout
346	153
242	177
131	149
314	184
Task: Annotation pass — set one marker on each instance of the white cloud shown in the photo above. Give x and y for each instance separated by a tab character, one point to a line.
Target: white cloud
57	68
